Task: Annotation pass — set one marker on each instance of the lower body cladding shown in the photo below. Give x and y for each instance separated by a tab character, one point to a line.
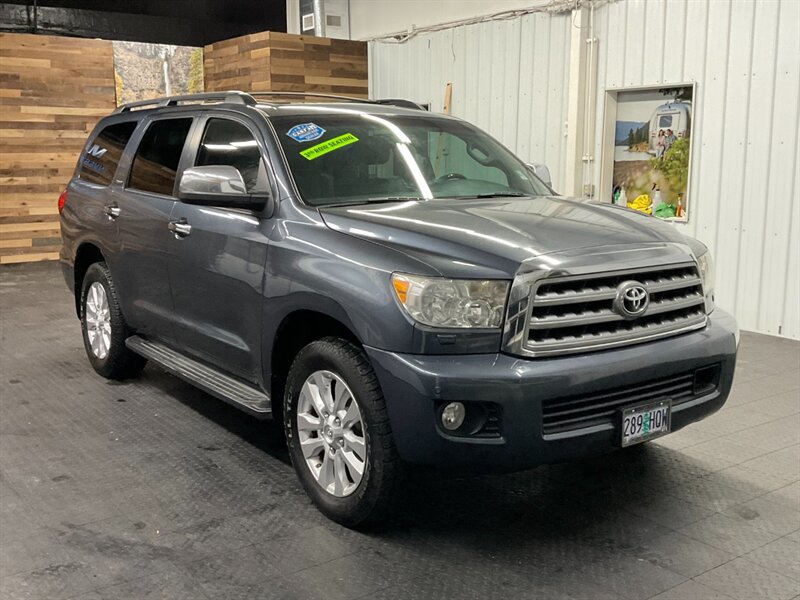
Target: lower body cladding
522	412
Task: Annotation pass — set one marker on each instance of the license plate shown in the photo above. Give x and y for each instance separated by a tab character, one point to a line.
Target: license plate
645	422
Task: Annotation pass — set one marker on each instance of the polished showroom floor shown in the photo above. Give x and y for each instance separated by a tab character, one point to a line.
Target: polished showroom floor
151	489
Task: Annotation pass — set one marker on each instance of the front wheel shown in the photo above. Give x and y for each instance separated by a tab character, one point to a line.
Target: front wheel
338	433
104	328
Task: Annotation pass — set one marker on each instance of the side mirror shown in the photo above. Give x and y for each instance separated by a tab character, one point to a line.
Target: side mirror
219	185
542	172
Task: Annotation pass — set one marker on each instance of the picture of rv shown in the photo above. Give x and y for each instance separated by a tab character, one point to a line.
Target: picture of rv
675	115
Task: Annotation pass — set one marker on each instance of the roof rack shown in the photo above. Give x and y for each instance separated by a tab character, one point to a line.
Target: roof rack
249	99
311	95
400	102
387	101
232	97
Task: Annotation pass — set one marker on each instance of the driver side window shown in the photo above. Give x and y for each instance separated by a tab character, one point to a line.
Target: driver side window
448	154
227	142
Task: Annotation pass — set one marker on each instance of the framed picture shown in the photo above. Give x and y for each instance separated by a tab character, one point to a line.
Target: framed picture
647	149
143	71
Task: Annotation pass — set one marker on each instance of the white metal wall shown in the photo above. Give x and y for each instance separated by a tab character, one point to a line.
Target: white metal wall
510	78
745	57
520	102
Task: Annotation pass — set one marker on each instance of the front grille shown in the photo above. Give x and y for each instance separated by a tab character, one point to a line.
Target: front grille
599	408
575	314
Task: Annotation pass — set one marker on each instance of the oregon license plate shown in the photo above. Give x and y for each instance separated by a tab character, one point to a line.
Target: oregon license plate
645	422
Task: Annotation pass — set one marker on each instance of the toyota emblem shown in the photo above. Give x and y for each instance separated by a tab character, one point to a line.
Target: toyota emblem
632	300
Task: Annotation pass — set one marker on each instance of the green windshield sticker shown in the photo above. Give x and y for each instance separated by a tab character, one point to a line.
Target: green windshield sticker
329	146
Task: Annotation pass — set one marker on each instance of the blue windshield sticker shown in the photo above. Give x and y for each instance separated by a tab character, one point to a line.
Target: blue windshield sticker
306	132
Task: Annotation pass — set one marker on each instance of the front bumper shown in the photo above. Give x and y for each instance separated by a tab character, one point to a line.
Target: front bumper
414	385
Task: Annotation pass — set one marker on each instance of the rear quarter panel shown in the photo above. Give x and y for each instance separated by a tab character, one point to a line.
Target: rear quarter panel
83	220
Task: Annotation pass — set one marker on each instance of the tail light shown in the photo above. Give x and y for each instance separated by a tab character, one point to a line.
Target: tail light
62	200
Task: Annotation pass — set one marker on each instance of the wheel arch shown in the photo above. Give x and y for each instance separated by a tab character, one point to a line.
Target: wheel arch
297	329
87	254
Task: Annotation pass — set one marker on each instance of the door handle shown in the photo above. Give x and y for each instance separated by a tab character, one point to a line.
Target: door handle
180	228
112	211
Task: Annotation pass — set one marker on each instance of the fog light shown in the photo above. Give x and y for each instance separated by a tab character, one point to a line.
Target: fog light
453	416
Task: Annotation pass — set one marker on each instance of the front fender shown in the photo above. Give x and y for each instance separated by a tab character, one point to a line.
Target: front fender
311	267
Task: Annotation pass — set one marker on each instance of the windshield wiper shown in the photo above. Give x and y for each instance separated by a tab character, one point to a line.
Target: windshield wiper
394	199
501	195
376	200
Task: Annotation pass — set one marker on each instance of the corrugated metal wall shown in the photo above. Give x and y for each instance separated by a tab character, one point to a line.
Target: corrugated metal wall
510	78
521	102
745	57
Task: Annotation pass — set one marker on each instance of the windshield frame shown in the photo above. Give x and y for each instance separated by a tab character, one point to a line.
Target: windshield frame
330	111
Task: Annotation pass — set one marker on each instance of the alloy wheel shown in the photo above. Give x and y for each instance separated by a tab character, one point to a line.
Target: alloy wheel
98	320
331	433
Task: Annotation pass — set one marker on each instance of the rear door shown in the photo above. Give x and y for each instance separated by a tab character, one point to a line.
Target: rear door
217	270
144	206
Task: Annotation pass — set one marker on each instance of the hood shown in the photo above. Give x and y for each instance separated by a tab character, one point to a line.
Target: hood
498	233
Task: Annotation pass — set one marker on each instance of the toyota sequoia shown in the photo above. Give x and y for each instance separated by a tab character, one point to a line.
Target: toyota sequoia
395	286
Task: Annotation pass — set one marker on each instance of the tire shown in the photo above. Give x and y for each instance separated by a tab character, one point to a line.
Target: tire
101	319
352	504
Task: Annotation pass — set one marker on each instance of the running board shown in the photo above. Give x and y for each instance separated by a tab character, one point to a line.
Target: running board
241	395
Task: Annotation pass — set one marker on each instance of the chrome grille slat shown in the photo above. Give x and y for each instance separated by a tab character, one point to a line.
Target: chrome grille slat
573	298
673	284
568	320
668	305
576	313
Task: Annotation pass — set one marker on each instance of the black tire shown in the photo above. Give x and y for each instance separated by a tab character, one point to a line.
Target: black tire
371	502
119	362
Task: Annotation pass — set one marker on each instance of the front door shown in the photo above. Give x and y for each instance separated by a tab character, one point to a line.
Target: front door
141	271
219	256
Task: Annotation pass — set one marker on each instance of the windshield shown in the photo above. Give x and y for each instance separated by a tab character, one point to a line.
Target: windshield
350	157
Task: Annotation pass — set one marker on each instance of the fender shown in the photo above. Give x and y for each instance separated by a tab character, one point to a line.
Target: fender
281	308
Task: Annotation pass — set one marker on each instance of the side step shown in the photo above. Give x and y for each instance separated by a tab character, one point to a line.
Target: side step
241	395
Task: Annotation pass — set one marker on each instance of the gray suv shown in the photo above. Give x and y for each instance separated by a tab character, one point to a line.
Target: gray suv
396	286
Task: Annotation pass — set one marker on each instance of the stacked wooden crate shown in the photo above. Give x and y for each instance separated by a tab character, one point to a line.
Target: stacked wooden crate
273	61
52	92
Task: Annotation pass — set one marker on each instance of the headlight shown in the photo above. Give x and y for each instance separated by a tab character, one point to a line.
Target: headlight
706	265
440	302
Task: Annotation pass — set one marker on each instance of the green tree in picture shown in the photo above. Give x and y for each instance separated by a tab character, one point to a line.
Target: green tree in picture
631	139
119	88
195	83
675	166
643	132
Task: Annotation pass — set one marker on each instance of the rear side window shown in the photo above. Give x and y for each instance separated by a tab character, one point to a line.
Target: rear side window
230	143
100	161
156	161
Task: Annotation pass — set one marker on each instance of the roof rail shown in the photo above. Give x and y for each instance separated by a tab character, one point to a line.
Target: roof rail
232	97
388	101
249	99
311	95
400	103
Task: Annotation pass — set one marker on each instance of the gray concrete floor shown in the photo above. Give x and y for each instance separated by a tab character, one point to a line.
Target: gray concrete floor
151	489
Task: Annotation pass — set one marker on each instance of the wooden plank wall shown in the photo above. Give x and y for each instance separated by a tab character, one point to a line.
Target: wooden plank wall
274	61
52	92
54	89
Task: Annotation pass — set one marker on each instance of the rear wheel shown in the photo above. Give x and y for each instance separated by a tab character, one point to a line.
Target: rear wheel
338	433
104	328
